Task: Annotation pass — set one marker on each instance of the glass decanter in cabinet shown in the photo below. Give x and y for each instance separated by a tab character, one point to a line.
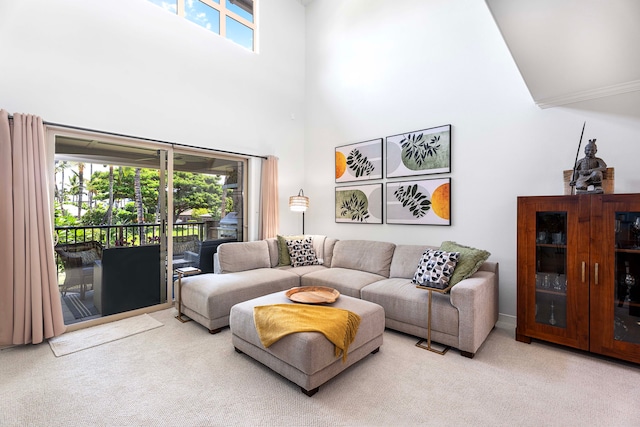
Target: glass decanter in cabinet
579	272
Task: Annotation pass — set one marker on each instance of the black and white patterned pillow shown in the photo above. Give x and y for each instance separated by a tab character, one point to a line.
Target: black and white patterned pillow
436	268
301	252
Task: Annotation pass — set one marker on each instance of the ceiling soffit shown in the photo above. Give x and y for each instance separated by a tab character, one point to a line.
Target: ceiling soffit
572	50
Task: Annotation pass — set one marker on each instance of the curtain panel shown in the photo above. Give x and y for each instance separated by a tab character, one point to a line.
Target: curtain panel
270	218
30	306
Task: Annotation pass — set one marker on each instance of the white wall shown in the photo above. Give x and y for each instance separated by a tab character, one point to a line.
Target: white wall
127	66
373	69
378	68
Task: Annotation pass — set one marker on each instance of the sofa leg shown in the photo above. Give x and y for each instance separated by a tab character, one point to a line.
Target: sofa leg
310	392
376	350
214	331
467	354
237	351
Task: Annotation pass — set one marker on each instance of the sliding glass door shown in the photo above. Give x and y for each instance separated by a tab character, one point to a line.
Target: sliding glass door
128	213
208	207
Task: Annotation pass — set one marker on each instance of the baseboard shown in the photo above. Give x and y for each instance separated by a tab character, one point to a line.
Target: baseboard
506	321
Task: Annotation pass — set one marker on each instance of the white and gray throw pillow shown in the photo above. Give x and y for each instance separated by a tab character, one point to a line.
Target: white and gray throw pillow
301	252
435	268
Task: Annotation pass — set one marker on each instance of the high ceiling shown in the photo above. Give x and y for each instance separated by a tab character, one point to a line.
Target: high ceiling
572	50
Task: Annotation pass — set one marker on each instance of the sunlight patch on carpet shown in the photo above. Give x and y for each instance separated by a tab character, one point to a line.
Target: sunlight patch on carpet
91	337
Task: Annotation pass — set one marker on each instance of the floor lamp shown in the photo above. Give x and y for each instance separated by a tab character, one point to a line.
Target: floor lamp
299	203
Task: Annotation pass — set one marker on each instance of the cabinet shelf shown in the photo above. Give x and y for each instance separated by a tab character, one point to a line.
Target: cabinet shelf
551	292
628	251
551	245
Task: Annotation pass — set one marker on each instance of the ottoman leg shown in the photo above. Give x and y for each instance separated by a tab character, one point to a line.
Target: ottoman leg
238	351
310	392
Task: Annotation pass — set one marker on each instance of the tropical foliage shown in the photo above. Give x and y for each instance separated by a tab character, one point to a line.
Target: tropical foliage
127	195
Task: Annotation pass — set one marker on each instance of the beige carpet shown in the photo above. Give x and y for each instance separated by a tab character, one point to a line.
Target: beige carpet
180	375
87	338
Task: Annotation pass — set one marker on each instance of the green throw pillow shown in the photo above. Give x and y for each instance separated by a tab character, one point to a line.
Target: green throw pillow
283	250
469	262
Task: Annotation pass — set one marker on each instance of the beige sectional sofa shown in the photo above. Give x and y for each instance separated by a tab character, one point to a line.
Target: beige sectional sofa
379	272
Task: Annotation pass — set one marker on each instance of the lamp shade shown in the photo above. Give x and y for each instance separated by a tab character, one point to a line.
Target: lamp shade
299	203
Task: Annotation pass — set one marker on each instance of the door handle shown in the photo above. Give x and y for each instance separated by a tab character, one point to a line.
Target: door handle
596	271
583	271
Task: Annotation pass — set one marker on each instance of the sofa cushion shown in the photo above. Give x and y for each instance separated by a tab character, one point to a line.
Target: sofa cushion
469	261
363	255
241	256
301	252
274	252
301	271
435	268
346	281
405	303
406	259
327	256
213	295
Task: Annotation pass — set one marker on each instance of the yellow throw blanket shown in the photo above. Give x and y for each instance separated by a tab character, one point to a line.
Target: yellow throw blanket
278	320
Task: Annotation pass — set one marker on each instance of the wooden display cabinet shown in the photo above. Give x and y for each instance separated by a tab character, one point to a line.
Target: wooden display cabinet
579	272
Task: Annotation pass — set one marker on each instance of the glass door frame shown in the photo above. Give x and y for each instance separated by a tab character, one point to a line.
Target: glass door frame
171	150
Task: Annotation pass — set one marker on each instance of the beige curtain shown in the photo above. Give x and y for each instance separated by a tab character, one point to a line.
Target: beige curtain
30	307
269	198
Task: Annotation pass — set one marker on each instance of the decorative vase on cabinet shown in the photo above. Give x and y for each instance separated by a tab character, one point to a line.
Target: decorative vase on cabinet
578	265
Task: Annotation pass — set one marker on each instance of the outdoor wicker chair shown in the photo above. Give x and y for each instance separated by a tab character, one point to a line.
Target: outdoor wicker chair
78	260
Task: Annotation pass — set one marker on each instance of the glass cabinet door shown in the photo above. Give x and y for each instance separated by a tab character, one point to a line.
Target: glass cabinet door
626	277
551	269
615	292
553	273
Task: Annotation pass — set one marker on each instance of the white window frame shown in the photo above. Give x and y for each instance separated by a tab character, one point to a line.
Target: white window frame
224	13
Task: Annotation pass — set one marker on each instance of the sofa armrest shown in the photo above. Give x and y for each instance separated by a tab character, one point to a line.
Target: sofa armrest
476	299
216	264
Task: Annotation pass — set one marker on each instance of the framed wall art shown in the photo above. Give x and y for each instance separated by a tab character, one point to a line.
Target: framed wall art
359	161
360	204
422	152
426	202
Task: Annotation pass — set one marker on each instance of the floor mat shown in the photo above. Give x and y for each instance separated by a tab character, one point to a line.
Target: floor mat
91	337
78	307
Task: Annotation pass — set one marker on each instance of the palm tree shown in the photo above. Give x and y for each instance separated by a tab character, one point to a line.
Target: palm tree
80	188
137	191
109	214
62	165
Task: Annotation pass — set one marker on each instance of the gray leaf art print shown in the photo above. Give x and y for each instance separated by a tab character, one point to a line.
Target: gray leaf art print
359	163
418	148
416	201
355	208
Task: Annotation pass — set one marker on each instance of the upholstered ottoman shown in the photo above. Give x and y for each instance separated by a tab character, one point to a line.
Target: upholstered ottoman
306	358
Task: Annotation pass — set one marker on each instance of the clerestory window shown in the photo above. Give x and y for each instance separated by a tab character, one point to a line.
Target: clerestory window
232	19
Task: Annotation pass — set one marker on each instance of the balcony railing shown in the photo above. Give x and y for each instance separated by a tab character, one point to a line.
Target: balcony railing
127	234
